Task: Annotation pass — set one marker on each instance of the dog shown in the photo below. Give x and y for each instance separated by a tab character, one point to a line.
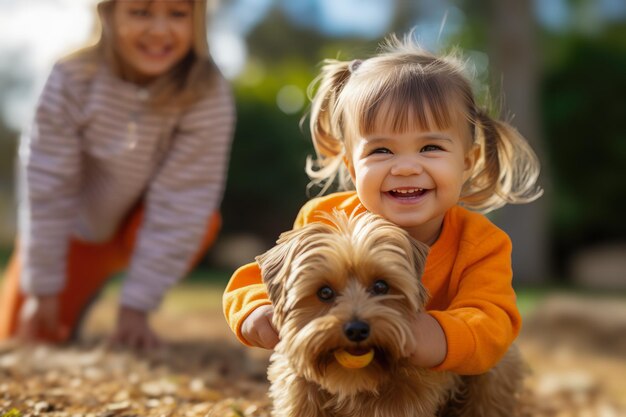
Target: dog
342	291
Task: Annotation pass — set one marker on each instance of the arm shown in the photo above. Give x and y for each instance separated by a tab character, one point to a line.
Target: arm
482	320
185	190
247	307
430	341
50	180
246	296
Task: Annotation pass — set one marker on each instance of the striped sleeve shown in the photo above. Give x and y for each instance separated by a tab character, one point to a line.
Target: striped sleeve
187	188
50	170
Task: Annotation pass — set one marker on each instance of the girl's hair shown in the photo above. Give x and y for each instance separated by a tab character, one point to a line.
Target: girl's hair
405	87
184	83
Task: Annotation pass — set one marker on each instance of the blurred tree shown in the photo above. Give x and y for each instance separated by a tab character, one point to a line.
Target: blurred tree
583	111
515	57
272	44
506	28
267	184
575	71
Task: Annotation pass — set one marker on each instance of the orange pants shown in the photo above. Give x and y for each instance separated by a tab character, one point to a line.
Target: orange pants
89	267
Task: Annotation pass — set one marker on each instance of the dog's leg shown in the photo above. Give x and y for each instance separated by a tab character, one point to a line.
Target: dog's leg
493	394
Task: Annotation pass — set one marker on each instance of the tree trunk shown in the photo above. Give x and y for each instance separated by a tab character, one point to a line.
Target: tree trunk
514	57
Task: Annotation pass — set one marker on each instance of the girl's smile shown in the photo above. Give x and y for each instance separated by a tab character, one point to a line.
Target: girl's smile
407	195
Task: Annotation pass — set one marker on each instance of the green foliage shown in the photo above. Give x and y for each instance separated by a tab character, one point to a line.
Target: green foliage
583	114
267	183
12	413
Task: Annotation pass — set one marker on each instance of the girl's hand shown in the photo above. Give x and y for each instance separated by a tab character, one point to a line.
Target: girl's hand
258	329
39	320
134	331
430	347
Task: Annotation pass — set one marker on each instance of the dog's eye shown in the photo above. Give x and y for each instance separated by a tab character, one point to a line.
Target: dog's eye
326	294
380	287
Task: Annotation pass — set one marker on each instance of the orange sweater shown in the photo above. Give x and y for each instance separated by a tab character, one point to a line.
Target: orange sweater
468	275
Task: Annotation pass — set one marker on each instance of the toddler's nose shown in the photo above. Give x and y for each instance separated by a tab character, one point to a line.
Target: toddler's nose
405	166
356	331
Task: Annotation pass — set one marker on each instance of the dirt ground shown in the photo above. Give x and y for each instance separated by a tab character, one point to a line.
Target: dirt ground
203	371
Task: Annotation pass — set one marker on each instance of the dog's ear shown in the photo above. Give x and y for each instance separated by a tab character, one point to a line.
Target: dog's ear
275	266
276	263
419	252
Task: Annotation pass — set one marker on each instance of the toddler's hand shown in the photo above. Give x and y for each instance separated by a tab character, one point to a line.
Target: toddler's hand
134	331
258	329
430	347
39	320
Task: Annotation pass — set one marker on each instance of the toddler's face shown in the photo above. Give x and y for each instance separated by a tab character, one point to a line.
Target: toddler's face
152	36
412	178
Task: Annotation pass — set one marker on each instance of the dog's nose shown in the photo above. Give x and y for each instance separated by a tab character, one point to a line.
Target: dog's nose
356	331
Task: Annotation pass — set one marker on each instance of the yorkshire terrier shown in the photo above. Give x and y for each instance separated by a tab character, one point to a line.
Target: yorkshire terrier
342	290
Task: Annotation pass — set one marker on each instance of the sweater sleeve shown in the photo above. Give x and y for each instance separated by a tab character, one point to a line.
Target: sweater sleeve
187	188
246	291
50	181
482	321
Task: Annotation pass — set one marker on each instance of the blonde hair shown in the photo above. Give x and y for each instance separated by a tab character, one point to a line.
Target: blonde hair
406	87
183	84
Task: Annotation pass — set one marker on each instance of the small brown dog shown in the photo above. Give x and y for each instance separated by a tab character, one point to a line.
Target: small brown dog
343	289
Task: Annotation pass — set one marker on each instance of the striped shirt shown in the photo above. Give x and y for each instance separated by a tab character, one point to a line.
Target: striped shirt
94	151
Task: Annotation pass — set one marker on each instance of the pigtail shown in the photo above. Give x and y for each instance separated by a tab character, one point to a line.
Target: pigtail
325	127
506	170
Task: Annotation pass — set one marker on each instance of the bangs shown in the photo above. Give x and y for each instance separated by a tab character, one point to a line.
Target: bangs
408	102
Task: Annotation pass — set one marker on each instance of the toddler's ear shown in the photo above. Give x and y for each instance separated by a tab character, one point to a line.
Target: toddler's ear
471	157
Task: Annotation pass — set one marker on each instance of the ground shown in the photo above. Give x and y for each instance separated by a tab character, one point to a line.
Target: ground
203	371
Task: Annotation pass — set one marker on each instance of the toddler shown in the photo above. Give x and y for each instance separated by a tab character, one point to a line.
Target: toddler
403	129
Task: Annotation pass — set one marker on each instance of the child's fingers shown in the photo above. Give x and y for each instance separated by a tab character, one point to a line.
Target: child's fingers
269	338
258	329
134	338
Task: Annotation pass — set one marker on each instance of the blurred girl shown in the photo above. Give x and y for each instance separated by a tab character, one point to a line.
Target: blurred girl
404	129
124	167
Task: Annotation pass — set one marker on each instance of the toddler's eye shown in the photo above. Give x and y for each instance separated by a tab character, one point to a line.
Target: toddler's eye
326	294
430	148
380	287
380	150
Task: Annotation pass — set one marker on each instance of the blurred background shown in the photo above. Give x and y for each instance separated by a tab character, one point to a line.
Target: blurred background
556	68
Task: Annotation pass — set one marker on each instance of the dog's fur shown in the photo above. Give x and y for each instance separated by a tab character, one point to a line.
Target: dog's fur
348	254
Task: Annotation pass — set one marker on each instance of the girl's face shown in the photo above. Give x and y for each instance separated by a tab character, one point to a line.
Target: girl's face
412	178
152	36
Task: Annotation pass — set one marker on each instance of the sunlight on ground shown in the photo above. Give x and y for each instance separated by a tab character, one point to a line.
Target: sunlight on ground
571	341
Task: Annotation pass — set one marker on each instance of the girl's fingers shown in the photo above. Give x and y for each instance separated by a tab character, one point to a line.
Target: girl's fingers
270	340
